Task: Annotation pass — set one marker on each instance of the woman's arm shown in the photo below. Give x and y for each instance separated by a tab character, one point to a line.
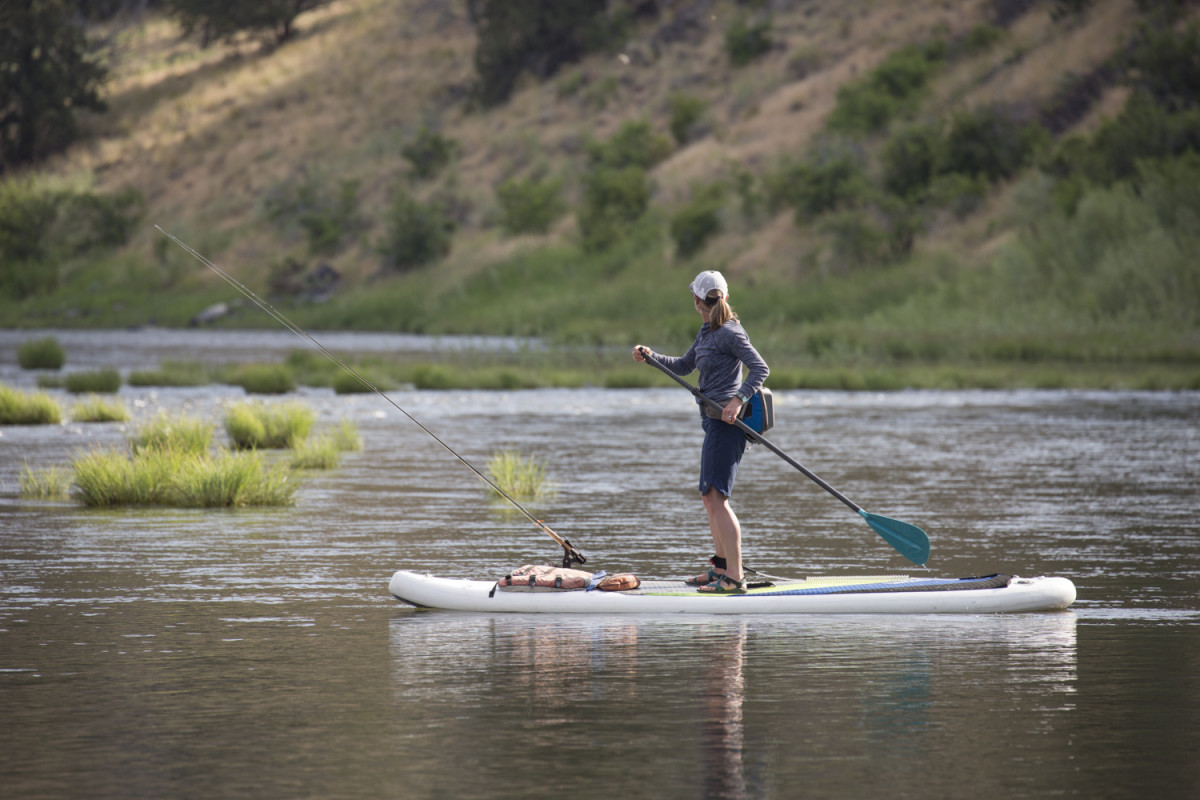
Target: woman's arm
678	365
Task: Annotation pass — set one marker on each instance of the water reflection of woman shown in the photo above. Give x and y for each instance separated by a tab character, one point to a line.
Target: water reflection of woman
719	351
723	730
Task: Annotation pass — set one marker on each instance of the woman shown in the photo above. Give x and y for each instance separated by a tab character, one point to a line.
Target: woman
719	351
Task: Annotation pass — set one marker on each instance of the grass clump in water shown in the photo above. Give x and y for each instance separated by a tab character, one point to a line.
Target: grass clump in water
180	434
172	373
99	381
182	479
23	408
521	479
325	451
263	378
346	438
253	426
97	409
321	453
50	483
41	354
231	480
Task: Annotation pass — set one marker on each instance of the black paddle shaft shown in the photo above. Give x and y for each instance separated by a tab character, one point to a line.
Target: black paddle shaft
753	434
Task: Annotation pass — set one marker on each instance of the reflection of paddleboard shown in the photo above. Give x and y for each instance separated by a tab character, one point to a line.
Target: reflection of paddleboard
884	594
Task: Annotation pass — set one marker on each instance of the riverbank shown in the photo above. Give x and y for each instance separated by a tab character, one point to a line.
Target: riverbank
268	361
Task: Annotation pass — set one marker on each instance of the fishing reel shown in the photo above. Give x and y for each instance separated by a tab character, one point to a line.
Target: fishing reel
571	555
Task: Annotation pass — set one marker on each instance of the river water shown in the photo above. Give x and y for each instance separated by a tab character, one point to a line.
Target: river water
257	653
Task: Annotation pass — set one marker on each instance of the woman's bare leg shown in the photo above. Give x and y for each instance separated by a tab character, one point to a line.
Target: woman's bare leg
726	532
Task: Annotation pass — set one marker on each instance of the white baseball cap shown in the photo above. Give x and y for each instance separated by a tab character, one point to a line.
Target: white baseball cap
708	280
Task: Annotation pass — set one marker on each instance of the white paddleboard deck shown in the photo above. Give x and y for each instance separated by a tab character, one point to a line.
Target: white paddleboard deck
879	594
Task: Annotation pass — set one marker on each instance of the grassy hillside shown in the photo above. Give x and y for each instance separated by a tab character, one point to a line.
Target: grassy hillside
995	280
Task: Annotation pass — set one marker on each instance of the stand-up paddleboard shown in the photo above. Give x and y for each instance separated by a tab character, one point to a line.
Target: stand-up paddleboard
881	594
870	595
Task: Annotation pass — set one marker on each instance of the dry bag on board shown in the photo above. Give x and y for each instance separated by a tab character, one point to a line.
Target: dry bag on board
540	577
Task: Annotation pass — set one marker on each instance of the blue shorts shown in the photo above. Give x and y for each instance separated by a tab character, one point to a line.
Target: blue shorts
720	455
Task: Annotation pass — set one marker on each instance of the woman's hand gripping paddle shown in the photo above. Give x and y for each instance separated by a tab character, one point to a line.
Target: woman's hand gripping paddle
907	539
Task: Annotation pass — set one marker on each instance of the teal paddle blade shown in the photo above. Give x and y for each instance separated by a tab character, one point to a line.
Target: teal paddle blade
908	540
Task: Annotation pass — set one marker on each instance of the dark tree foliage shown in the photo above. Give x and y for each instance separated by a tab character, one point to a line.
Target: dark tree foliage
1166	63
106	10
534	36
214	20
46	73
986	142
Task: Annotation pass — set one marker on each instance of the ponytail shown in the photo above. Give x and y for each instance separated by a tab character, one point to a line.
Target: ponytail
721	311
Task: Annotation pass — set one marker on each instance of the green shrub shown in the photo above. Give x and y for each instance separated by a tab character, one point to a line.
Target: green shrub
263	378
686	112
987	142
804	62
980	39
100	381
97	409
888	91
88	221
903	220
961	194
910	159
823	182
698	220
259	426
1060	9
21	408
428	153
746	41
600	93
854	240
1142	130
529	206
44	353
635	144
327	216
417	233
613	199
1163	62
1125	254
40	227
27	215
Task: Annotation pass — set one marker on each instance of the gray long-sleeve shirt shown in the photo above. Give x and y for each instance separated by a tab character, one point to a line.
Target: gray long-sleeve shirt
719	355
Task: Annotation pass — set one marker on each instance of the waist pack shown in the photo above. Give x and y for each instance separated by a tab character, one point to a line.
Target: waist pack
758	412
541	577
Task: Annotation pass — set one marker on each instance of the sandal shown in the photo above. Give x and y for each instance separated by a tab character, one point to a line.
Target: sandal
706	579
710	576
718	586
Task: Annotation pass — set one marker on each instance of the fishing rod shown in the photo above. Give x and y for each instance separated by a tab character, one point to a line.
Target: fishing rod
570	553
907	539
